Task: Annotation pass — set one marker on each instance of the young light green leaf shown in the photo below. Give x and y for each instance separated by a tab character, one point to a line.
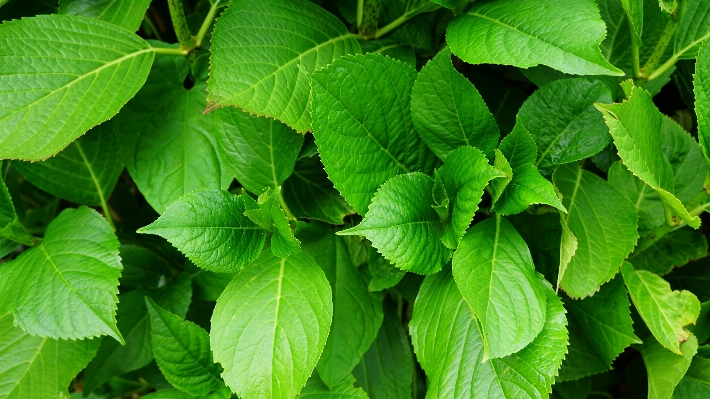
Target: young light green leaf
124	13
260	152
696	382
210	228
701	86
285	308
182	351
65	288
636	127
316	389
671	250
450	348
270	215
495	273
391	49
518	32
357	314
404	227
665	369
259	47
448	112
37	367
85	172
363	127
664	311
605	223
49	99
384	274
693	29
564	123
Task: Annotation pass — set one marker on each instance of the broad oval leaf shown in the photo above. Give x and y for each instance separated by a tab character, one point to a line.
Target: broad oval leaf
127	14
49	99
495	273
259	47
519	33
285	308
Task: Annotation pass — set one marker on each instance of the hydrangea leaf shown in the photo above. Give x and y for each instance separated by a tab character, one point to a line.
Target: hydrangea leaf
50	99
603	220
696	382
701	88
693	29
316	389
674	249
404	227
363	126
391	49
142	267
285	307
384	274
634	14
263	46
665	369
518	32
664	311
450	348
10	227
448	112
495	273
269	214
210	228
693	277
582	359
519	146
127	14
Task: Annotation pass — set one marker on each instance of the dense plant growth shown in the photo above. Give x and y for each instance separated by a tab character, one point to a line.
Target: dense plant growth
354	199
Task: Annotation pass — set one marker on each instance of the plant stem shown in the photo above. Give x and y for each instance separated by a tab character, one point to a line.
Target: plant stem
409	14
668	213
360	11
206	24
636	63
170	51
177	14
660	48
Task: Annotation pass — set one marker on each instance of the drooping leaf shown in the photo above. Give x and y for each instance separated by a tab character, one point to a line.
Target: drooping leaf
357	314
384	274
363	127
664	311
210	228
450	348
672	250
49	99
260	152
260	47
604	222
404	227
316	389
495	273
285	307
693	29
448	112
518	32
37	367
182	351
665	369
269	214
65	288
127	14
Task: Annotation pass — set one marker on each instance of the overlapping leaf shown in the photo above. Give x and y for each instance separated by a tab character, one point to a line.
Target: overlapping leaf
269	214
701	85
696	382
665	369
671	250
316	389
693	29
124	13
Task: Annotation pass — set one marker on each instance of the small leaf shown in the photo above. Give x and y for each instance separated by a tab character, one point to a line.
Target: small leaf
384	274
390	48
271	216
316	389
519	146
127	14
665	369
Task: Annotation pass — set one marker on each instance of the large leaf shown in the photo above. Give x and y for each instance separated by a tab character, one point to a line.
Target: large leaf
519	33
65	288
285	309
357	314
495	273
666	369
693	29
404	227
260	152
37	367
664	311
448	112
124	13
260	47
450	348
363	127
604	222
85	172
210	228
50	98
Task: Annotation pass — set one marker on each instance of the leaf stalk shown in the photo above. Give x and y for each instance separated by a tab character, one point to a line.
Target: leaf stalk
206	24
182	30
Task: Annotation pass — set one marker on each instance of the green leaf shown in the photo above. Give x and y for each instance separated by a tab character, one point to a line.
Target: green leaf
696	382
285	309
701	85
582	359
391	49
448	112
384	274
65	288
210	228
634	14
316	389
495	273
563	121
645	198
309	194
603	220
124	13
182	351
385	370
142	267
666	369
260	47
672	250
519	147
50	98
270	215
450	348
694	277
260	152
10	226
36	367
693	29
357	314
85	172
636	127
664	311
519	33
404	227
363	127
